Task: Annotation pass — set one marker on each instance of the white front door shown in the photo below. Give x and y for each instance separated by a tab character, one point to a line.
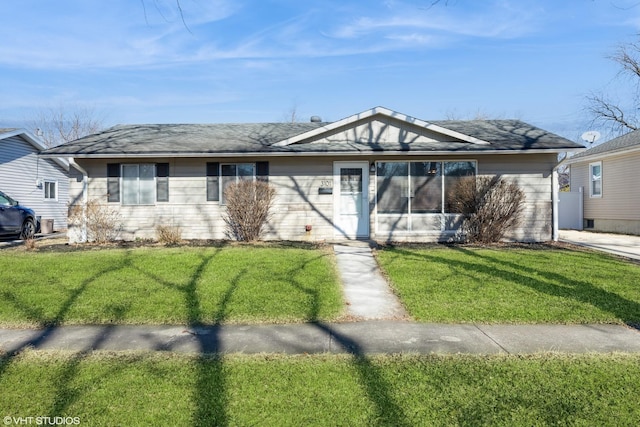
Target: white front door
350	199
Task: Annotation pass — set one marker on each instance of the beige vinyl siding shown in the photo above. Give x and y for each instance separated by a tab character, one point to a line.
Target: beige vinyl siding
20	172
298	204
532	172
297	200
618	209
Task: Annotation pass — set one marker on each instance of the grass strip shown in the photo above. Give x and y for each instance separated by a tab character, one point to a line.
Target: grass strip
140	389
537	284
155	285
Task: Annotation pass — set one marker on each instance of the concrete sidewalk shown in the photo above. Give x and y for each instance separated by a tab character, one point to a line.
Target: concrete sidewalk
359	338
366	292
617	244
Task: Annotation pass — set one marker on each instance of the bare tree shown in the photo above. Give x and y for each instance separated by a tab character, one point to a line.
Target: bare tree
57	125
603	109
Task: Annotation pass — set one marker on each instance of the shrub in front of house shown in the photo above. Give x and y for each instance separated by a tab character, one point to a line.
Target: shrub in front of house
248	209
492	206
103	224
169	235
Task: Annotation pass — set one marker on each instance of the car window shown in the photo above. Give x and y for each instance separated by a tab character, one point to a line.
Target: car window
4	201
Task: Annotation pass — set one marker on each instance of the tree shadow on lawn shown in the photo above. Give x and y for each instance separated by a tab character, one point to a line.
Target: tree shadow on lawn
66	394
209	393
387	410
555	284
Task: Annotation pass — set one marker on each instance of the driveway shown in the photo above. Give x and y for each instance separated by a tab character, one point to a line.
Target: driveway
617	244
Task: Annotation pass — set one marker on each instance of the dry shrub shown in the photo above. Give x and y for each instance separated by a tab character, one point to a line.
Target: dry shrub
30	244
103	223
248	209
169	234
492	206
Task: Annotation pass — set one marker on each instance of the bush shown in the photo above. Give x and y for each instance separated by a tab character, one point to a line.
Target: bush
169	234
102	223
248	209
492	206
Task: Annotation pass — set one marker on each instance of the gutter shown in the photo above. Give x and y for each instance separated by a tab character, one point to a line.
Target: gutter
309	153
85	198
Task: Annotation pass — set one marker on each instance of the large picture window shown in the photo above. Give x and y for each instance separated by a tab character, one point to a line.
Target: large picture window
420	187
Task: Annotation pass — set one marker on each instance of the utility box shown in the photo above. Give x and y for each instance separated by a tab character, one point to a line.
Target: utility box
46	226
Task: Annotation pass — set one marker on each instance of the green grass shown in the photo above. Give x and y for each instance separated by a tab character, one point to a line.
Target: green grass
538	284
155	285
167	389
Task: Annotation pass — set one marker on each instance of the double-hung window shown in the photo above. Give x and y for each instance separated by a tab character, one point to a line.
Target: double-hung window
138	184
50	190
221	175
595	178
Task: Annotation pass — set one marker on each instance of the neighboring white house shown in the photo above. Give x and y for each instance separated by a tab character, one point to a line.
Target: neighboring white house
376	175
41	184
609	177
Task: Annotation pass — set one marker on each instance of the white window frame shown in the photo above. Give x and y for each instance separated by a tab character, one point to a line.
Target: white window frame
55	190
593	179
221	181
123	194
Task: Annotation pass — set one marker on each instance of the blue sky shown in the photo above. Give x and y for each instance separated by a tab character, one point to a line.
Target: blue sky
134	61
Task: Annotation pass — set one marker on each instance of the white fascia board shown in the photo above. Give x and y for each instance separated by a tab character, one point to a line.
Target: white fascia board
385	112
313	154
600	156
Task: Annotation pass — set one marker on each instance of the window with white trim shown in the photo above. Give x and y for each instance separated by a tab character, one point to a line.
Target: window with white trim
50	190
221	175
138	184
595	179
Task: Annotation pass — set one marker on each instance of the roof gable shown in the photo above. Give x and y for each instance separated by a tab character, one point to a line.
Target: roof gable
34	141
381	125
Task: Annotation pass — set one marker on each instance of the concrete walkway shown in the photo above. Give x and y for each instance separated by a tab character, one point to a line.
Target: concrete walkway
366	292
358	338
616	244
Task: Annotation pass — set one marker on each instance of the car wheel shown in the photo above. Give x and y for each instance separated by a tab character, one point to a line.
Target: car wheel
28	229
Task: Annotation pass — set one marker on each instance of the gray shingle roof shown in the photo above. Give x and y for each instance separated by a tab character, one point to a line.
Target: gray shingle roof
621	143
195	139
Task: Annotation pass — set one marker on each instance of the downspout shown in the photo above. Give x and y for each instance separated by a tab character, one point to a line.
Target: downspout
85	197
554	202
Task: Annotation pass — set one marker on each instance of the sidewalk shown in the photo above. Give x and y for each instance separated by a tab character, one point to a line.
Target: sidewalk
359	338
617	244
380	328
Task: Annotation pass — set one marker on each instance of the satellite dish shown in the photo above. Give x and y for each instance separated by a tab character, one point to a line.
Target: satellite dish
591	136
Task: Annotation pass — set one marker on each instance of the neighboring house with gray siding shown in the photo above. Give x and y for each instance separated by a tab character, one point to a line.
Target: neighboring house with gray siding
609	177
41	184
376	175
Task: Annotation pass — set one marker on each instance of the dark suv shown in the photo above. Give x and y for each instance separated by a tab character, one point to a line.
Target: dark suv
16	220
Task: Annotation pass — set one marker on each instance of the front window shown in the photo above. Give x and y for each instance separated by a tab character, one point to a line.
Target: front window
420	187
232	173
138	184
595	174
50	190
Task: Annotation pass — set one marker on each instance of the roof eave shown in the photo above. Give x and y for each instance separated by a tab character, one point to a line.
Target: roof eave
309	154
601	155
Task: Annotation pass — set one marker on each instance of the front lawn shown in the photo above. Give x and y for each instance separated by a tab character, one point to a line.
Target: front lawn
157	285
522	284
140	389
